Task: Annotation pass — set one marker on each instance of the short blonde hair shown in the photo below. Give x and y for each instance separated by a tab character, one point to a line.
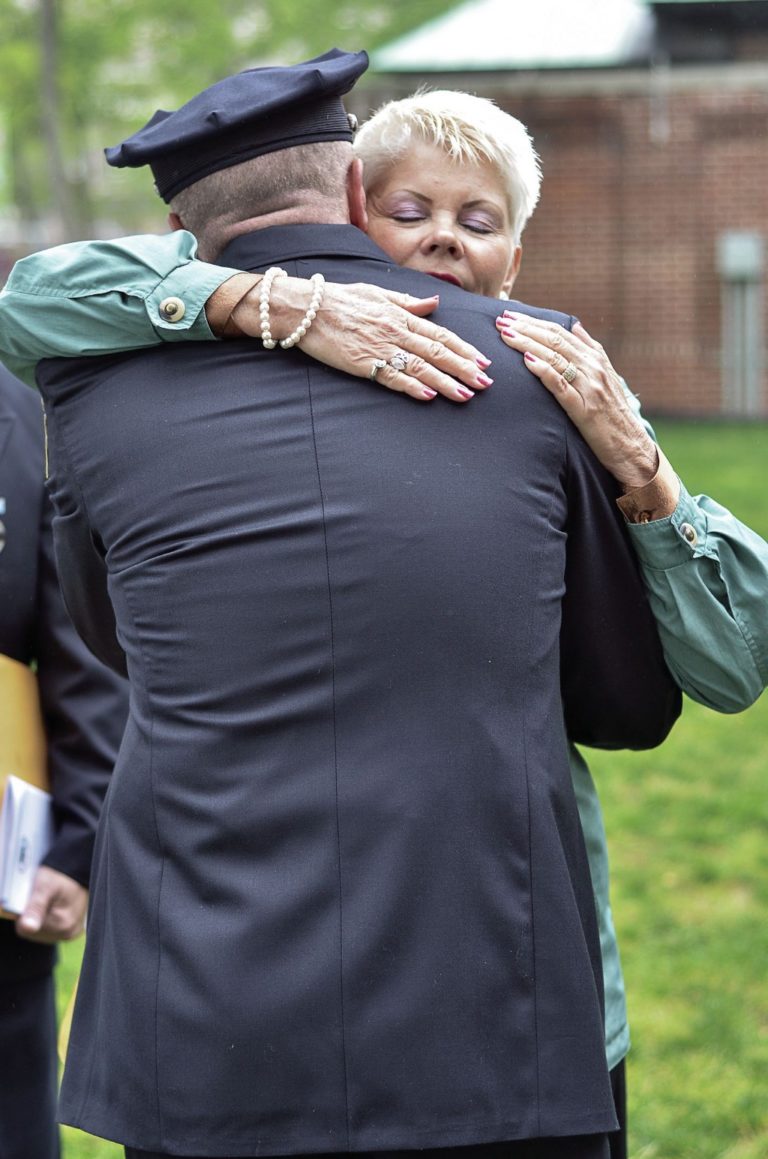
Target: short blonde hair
469	129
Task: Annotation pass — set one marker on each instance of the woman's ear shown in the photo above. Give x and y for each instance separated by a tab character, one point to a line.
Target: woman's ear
358	213
512	272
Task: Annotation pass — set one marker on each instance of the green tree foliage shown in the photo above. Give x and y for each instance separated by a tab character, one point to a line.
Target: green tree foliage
76	75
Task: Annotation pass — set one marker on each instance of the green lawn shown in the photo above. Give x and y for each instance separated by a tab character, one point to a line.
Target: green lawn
688	825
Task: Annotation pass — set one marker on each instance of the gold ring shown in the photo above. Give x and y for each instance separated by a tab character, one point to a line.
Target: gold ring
570	373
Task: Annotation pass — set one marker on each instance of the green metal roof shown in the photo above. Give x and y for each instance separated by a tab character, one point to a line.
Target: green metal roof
494	35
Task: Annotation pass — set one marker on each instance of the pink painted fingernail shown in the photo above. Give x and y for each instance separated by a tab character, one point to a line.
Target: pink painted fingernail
465	392
510	314
427	392
529	358
484	380
483	362
509	332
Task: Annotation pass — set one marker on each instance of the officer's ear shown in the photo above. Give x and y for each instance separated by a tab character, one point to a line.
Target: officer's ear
175	222
358	214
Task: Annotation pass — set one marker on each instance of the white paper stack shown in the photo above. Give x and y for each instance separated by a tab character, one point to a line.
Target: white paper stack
26	835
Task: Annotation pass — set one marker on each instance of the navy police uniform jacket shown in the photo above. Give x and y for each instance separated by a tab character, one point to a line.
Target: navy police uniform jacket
84	704
341	899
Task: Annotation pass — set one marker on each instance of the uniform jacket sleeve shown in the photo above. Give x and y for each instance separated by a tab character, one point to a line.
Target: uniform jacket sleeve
617	689
80	561
84	708
101	297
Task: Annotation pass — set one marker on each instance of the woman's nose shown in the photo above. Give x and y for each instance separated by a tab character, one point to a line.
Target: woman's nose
443	237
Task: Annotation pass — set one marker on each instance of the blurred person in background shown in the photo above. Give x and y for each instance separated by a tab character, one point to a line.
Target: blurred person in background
84	707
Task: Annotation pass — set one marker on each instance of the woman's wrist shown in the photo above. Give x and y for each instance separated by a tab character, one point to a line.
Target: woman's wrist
289	301
233	310
223	302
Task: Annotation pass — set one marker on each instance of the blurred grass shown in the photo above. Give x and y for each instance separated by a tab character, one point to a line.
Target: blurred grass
688	828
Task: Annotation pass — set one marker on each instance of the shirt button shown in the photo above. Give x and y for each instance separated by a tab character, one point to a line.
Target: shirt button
689	534
172	309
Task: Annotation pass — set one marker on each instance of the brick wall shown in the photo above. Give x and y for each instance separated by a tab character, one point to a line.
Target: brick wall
634	198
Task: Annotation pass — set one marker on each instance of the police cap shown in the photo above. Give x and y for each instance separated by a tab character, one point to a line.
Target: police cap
254	112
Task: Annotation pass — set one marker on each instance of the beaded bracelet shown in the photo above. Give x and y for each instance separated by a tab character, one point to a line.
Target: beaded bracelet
265	289
318	289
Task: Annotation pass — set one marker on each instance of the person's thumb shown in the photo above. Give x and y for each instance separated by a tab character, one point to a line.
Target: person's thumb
419	306
31	920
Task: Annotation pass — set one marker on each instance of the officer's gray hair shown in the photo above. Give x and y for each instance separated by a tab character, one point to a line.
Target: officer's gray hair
469	129
310	178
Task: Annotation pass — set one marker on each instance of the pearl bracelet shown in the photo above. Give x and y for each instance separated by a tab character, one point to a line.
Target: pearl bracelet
318	284
265	289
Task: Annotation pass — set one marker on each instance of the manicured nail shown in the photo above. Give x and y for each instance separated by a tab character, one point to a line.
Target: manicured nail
483	362
484	380
509	332
529	358
427	392
464	392
510	314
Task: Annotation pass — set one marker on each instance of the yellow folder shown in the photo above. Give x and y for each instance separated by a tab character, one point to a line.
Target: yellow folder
22	736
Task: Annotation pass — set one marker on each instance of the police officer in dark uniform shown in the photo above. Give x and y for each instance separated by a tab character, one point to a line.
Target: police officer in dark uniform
341	900
84	707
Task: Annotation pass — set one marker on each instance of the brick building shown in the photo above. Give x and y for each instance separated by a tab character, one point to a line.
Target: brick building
651	119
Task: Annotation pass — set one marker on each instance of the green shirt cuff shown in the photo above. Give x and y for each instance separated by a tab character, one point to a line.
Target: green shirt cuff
669	542
176	305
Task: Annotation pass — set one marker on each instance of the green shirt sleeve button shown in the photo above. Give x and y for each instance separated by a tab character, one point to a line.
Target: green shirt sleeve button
688	533
172	309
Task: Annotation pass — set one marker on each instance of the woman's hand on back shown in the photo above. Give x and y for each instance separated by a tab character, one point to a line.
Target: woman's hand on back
576	370
363	330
